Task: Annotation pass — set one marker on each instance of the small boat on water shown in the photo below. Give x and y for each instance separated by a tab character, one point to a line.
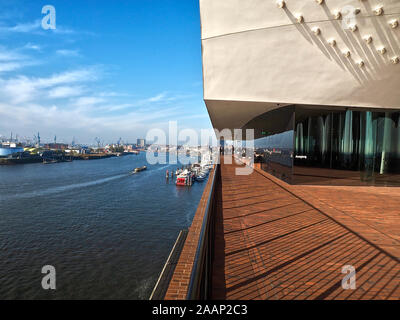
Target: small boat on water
200	178
181	181
48	161
139	169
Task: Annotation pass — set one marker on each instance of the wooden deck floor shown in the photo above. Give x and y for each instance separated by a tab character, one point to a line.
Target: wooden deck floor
272	243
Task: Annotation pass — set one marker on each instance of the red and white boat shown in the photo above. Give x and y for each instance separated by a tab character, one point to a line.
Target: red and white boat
185	178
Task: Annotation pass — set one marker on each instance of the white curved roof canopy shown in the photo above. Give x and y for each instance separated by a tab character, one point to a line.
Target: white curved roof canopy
257	57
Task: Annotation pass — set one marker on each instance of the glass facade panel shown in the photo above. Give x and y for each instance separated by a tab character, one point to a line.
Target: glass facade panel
346	147
329	145
273	143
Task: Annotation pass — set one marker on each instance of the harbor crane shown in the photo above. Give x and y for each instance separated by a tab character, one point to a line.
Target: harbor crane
98	141
36	139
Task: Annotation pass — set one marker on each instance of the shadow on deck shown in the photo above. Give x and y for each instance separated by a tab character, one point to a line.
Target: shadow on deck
271	244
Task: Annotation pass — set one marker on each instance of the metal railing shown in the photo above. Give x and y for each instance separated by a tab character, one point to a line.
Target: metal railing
200	279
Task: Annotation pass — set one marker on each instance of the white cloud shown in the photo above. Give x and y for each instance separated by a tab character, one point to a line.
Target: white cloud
10	55
68	53
63	30
17	90
88	101
116	107
81	75
35	27
23	27
23	89
157	98
112	94
9	66
165	97
83	118
11	60
32	46
68	103
65	92
66	121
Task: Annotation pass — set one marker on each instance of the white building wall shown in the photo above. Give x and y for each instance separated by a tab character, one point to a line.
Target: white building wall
254	51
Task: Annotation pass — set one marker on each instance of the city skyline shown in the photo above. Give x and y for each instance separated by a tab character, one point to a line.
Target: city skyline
102	71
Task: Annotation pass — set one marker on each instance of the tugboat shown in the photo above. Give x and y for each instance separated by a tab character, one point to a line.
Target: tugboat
139	169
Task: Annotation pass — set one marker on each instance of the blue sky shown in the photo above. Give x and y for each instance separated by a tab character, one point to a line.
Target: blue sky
110	69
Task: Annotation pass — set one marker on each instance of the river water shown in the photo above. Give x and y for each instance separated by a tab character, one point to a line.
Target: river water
106	232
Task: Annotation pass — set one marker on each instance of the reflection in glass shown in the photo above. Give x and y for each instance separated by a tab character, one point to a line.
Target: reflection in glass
346	147
329	145
274	137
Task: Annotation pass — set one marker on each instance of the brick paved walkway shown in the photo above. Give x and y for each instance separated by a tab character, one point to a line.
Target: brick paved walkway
275	241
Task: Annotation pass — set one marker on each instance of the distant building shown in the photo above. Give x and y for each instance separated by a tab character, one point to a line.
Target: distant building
141	143
128	148
56	146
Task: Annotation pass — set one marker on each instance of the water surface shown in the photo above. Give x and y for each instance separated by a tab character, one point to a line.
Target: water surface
107	233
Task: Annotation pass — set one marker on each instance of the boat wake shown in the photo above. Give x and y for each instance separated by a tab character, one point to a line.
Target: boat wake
59	189
161	168
151	170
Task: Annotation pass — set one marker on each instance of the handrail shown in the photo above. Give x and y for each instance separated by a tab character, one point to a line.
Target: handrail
198	285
